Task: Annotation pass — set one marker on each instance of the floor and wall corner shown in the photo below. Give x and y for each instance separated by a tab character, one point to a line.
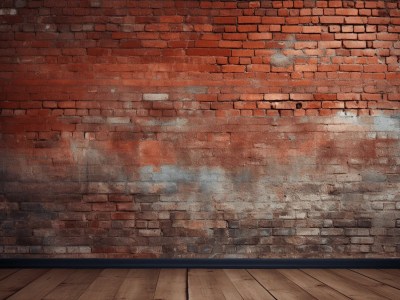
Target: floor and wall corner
200	130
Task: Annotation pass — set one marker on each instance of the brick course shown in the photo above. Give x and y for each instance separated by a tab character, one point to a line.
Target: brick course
199	128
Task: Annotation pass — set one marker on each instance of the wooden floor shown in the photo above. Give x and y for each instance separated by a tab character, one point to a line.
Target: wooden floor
204	284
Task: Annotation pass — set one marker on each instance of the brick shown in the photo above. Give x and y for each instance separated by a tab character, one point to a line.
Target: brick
273	20
362	240
329	44
292	29
356	20
348	96
233	68
354	44
382	44
276	97
367	36
208	52
272	28
346	11
394	97
307	231
235	36
249	19
305	45
375	68
254	45
260	36
331	20
325	97
378	20
258	68
98	51
334	28
295	97
225	20
246	28
312	29
8	12
283	105
245	105
118	120
96	3
351	68
171	19
347	28
95	198
252	97
230	44
305	68
155	97
206	44
345	36
242	52
332	104
384	36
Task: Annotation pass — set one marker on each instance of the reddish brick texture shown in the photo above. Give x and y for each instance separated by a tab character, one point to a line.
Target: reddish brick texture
199	129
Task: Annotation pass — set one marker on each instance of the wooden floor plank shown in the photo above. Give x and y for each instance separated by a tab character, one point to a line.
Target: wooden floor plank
370	284
73	286
342	285
18	280
139	284
7	272
394	272
381	276
313	286
279	286
211	284
247	286
41	286
171	285
106	285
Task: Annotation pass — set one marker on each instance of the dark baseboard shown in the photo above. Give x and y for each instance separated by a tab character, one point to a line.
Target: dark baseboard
87	263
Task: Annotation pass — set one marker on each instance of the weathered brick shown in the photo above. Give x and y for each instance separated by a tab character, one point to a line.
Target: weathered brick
155	97
329	44
331	20
249	19
354	44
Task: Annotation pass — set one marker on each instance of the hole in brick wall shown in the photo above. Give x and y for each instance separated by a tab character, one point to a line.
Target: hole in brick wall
299	105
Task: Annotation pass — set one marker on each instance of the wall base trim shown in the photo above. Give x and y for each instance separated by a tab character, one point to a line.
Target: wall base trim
89	263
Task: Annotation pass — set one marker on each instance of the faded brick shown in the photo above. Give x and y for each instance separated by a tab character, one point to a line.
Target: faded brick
155	97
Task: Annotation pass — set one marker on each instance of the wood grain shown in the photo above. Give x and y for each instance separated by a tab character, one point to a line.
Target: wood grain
211	284
7	272
342	285
105	286
279	286
139	284
312	285
171	285
247	286
40	287
18	280
73	286
370	284
199	284
381	276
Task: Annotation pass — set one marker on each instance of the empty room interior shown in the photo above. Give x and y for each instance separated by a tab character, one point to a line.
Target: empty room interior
199	149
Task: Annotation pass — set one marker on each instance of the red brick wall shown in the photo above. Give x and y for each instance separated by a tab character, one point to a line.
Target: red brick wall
199	128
